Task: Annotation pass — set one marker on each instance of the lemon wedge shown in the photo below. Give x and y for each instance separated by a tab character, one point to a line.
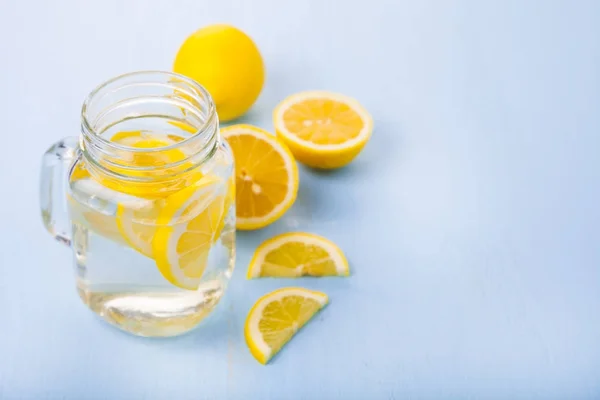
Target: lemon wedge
276	317
323	129
296	254
266	176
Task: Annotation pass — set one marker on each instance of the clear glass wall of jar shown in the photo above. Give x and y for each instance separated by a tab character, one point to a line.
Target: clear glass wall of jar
150	203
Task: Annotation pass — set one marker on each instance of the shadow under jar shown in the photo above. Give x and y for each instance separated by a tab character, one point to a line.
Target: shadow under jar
150	203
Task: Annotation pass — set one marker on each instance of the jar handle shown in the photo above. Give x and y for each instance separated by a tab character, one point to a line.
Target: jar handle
56	165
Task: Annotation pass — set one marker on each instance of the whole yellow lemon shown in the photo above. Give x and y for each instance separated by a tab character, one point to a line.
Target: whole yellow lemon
227	63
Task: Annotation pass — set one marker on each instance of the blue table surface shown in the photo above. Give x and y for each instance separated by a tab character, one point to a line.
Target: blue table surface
471	220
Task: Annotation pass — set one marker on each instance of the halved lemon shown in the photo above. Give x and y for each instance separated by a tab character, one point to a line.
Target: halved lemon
266	176
188	225
276	317
296	254
323	129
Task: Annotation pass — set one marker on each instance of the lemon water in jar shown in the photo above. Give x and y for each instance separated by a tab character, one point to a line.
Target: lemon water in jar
150	200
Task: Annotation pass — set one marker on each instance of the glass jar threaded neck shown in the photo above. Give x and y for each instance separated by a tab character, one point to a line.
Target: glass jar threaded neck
173	115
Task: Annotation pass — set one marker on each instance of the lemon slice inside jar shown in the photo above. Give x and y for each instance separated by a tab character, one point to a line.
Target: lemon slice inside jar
189	223
153	164
137	225
137	203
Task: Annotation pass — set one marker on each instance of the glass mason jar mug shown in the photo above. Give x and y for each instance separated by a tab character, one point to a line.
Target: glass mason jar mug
150	203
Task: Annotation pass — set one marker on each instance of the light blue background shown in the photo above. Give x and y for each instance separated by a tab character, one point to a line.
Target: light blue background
471	220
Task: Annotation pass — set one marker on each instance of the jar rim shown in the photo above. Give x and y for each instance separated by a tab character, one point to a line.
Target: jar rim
207	124
105	154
